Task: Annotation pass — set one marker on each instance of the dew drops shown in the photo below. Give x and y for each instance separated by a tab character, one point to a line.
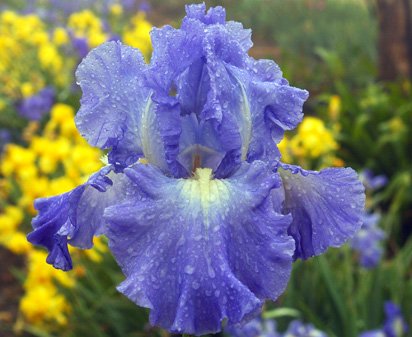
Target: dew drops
195	285
189	269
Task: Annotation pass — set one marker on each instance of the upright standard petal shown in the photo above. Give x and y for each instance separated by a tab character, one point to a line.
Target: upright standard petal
326	207
117	111
76	216
242	105
200	251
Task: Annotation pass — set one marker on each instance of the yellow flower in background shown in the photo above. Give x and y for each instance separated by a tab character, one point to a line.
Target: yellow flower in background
56	159
137	34
61	185
40	273
334	107
17	243
396	125
10	237
49	57
99	248
43	305
30	59
62	121
284	148
313	139
27	89
116	9
313	143
60	36
16	160
10	219
86	24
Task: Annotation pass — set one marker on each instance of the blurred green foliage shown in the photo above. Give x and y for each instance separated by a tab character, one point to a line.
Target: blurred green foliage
305	31
376	124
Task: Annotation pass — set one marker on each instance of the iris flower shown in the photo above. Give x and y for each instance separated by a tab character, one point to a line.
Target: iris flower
394	325
200	214
255	328
36	106
298	329
368	241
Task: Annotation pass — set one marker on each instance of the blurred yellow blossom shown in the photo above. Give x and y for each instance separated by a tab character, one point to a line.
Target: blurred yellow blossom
16	159
40	273
29	60
10	219
116	9
43	304
57	160
49	57
17	243
334	107
284	148
60	36
137	34
313	139
99	247
313	143
86	24
396	125
27	89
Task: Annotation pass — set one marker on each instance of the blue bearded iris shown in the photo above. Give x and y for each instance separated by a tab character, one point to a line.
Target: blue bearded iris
201	215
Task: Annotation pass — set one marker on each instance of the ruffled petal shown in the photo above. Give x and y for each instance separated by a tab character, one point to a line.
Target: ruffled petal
199	251
242	106
215	15
117	110
203	89
326	206
76	216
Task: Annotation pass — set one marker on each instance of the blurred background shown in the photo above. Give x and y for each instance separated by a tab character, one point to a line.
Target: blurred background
354	57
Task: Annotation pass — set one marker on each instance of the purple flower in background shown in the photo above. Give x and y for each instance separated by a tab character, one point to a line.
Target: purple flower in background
368	241
201	215
36	106
373	333
371	181
394	326
255	328
80	45
298	329
144	6
5	138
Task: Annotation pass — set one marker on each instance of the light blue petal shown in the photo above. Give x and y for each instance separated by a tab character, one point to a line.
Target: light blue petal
117	110
76	216
326	206
199	251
